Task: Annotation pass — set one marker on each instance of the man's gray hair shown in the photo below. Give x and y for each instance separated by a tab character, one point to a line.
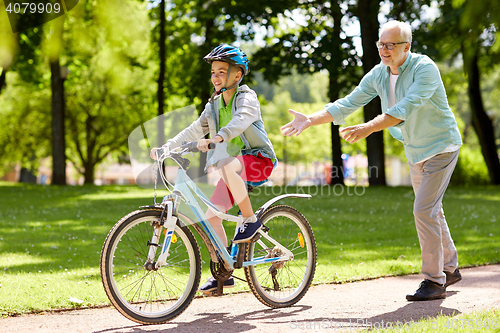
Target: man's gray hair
404	28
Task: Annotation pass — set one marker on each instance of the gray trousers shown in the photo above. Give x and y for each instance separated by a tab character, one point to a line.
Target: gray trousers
430	180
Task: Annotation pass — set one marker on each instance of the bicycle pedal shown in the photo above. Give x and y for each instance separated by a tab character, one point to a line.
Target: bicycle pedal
255	238
212	293
252	240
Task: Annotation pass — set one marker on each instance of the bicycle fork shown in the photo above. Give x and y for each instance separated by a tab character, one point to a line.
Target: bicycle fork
169	226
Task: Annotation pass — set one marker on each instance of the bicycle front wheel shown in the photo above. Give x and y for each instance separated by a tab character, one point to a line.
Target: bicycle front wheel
149	296
282	284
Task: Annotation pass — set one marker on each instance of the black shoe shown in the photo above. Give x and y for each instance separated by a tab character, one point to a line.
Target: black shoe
452	278
428	290
211	284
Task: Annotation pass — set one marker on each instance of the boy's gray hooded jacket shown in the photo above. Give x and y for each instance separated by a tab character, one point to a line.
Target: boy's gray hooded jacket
246	122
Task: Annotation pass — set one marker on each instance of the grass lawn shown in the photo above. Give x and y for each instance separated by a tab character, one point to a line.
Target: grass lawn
51	237
481	321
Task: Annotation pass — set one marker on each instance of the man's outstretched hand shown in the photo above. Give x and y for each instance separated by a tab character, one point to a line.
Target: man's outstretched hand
355	133
297	125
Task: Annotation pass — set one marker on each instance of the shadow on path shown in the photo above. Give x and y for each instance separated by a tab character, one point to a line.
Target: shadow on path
219	322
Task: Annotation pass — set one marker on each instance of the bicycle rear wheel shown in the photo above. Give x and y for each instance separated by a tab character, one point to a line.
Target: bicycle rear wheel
149	296
282	284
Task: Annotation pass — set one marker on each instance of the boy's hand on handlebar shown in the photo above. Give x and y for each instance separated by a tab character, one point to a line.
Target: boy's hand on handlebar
152	154
159	150
203	143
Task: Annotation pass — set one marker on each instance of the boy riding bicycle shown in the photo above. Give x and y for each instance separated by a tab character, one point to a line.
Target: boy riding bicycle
232	116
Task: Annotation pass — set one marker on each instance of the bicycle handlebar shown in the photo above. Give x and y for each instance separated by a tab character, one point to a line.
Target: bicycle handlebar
176	155
192	146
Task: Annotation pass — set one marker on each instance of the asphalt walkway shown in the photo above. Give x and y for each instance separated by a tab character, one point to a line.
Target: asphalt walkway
325	308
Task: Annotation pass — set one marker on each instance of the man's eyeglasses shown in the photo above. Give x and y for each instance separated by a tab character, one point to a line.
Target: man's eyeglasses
389	46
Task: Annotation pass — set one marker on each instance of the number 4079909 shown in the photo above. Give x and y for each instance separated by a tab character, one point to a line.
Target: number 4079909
31	7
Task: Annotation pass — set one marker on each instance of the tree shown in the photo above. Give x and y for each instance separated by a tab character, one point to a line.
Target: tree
477	31
321	44
53	50
3	76
190	38
108	89
367	13
26	133
161	71
21	55
470	29
309	146
195	28
109	84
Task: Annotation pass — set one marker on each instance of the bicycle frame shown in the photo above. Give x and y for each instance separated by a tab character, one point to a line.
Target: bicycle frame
185	189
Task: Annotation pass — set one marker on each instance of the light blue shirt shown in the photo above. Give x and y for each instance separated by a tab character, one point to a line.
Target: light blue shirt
428	125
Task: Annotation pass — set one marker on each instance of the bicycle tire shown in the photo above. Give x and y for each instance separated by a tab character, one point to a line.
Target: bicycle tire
154	296
286	224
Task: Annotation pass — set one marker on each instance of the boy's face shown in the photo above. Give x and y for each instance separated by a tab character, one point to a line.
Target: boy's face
219	75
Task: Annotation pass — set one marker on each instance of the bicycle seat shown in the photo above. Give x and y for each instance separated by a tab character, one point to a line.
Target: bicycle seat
252	185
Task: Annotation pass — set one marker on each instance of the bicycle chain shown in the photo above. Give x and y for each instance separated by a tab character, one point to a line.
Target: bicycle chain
219	272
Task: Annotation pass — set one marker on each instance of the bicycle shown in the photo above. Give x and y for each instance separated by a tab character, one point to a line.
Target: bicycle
151	262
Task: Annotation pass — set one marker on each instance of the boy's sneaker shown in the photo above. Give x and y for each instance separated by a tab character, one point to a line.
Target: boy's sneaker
211	284
247	231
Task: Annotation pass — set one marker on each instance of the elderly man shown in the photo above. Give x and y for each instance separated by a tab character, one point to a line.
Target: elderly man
416	112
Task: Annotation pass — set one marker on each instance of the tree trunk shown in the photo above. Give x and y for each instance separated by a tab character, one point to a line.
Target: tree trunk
161	76
2	79
337	172
205	92
89	173
27	176
58	139
368	19
481	122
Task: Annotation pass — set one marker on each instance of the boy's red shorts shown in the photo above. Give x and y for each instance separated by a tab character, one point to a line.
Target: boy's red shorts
255	169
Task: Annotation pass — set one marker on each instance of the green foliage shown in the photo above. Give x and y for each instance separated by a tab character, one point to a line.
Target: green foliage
303	88
195	28
8	40
456	88
470	169
312	145
116	96
110	48
25	135
108	91
109	86
320	43
471	29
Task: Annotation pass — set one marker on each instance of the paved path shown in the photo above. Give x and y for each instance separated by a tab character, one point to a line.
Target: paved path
349	305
